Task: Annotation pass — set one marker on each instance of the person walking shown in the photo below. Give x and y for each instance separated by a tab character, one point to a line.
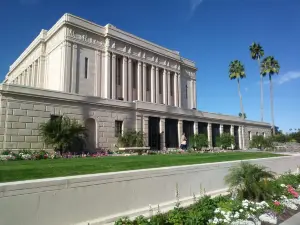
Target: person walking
183	144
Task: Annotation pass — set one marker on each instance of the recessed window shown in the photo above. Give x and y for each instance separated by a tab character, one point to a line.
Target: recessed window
172	86
186	91
134	75
118	128
148	78
160	81
86	66
55	117
119	71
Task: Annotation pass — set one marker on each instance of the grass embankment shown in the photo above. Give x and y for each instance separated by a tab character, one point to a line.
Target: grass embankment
26	170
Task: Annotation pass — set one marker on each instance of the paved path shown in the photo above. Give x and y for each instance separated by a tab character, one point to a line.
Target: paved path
294	220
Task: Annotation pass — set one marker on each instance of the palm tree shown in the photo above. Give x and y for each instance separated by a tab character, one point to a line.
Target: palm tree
237	71
257	52
270	66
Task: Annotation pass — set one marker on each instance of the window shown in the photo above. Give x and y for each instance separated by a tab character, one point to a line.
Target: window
134	75
86	65
118	128
160	82
249	135
186	91
172	85
54	117
119	70
148	78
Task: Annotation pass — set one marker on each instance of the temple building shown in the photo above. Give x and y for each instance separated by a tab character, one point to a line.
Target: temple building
111	81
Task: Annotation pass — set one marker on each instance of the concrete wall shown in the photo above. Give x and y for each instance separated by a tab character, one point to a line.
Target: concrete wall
100	198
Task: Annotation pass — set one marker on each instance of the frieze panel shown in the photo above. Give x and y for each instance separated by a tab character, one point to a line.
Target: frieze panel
85	36
143	54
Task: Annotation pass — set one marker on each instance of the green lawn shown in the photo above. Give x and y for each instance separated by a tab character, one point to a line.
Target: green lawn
26	170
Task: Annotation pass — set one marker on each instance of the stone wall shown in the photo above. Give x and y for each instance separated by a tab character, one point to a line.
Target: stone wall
99	198
288	146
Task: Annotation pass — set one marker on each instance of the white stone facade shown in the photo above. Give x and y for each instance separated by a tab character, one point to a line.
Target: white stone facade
84	70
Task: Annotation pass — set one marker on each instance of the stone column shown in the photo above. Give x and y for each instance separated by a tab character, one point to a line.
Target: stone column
139	82
74	69
145	129
180	131
165	88
195	94
175	95
240	138
138	122
129	80
195	127
124	80
33	78
169	87
221	129
97	83
113	76
107	75
153	88
243	138
179	90
145	82
232	134
157	85
209	135
67	69
162	134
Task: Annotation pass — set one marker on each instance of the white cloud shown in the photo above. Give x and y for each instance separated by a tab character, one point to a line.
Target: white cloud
287	77
194	4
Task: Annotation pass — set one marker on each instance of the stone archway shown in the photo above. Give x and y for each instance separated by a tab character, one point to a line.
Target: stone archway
90	125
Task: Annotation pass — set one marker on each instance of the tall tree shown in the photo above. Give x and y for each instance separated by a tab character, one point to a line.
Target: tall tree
257	52
270	66
237	71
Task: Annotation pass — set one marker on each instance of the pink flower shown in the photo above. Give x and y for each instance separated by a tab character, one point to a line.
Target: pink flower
277	203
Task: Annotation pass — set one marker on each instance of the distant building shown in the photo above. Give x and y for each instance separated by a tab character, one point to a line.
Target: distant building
112	81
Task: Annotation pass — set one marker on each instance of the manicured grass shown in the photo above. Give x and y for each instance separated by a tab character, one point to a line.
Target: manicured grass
26	170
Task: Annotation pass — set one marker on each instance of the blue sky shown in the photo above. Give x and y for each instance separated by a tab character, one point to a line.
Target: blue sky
209	32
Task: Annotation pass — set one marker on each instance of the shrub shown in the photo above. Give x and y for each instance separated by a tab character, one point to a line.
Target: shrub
282	138
260	142
225	141
62	132
199	141
250	181
295	136
131	139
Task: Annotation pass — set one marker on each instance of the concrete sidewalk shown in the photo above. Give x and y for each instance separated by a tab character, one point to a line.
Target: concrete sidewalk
294	220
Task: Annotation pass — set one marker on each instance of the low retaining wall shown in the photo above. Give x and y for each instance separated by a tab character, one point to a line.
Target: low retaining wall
101	198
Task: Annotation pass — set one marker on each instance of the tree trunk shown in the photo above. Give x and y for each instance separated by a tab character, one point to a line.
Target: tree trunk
261	95
272	104
241	100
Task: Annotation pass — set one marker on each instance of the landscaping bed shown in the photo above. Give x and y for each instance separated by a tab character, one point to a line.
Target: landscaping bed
48	166
257	197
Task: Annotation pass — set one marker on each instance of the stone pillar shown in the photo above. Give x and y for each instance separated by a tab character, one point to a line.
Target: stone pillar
169	87
38	75
232	134
113	76
221	129
209	135
175	90
180	131
164	91
138	122
153	87
97	89
179	90
243	138
139	82
195	127
145	129
107	75
33	78
157	85
67	69
129	80
74	69
240	138
144	82
195	94
124	80
162	134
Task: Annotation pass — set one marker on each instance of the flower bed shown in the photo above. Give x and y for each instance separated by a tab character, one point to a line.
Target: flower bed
224	210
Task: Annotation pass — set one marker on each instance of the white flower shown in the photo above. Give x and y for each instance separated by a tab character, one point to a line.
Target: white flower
217	210
241	210
216	220
282	185
289	204
268	218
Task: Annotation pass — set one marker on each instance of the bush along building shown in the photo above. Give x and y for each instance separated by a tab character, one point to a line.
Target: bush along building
111	81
